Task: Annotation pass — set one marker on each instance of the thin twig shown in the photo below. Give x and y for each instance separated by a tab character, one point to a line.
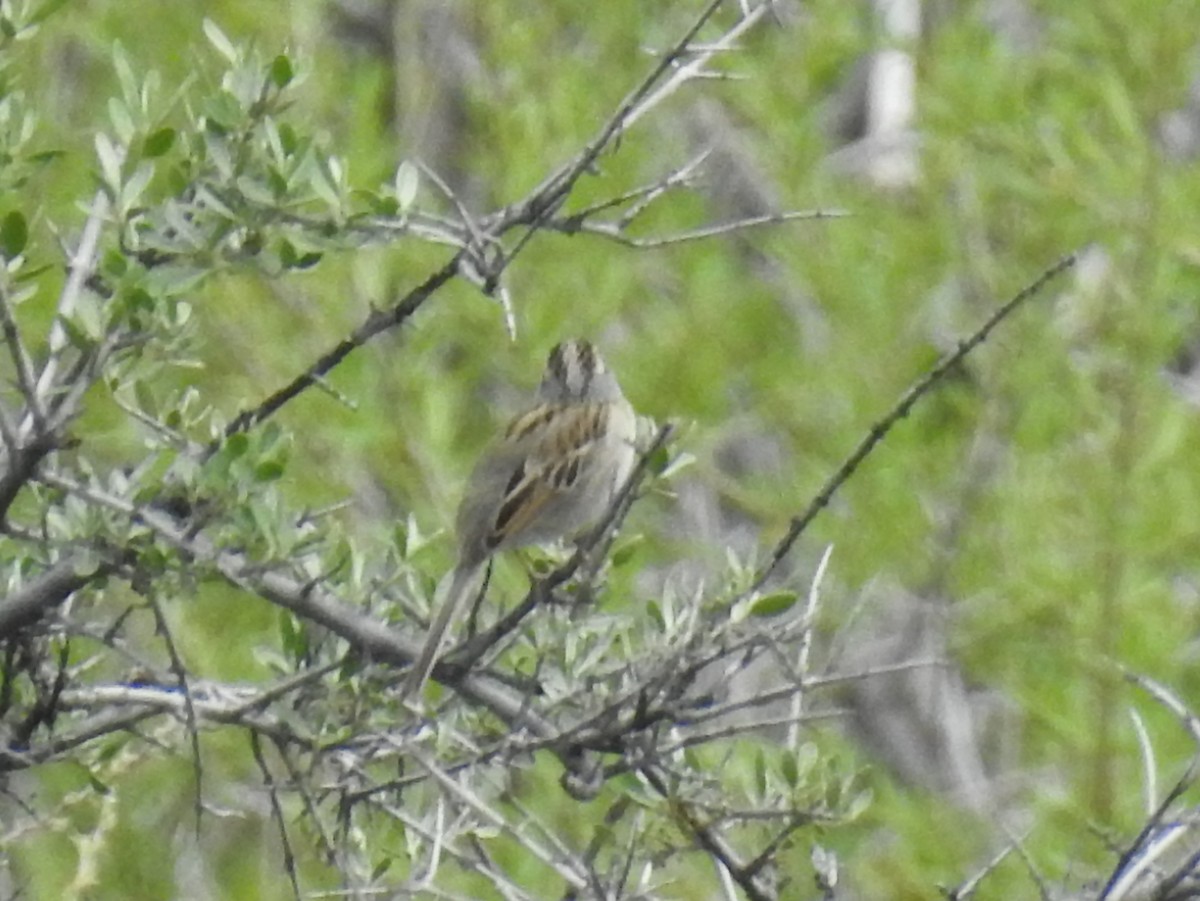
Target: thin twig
759	726
681	177
367	635
549	194
287	686
486	869
189	708
533	212
1135	858
1128	867
64	404
784	693
478	238
701	55
376	323
710	839
615	231
330	848
964	890
289	858
901	409
1018	844
567	869
1168	699
65	742
802	653
80	269
24	368
640	196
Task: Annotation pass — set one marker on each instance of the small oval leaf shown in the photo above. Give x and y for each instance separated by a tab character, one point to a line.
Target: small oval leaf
158	143
14	234
236	445
771	604
268	471
281	71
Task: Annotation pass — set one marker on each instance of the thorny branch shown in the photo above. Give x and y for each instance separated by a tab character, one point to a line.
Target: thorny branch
376	323
898	412
480	250
624	719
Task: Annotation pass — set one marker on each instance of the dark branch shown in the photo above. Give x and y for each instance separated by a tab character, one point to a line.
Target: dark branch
710	840
49	589
377	322
902	408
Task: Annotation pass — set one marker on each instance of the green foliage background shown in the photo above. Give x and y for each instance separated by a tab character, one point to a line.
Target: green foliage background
1077	547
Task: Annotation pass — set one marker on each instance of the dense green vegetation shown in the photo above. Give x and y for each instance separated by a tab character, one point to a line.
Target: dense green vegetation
1015	544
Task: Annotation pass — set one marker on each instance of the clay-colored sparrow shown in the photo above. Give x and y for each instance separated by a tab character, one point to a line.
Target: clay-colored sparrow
552	472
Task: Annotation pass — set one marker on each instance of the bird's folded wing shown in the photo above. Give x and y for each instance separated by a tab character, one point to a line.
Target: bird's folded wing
560	440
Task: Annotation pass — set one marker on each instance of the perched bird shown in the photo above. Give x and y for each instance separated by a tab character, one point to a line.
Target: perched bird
551	473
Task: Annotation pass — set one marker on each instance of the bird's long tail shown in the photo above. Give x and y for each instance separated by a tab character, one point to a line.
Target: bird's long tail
462	581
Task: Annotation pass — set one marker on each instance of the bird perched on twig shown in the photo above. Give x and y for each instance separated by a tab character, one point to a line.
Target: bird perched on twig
552	472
